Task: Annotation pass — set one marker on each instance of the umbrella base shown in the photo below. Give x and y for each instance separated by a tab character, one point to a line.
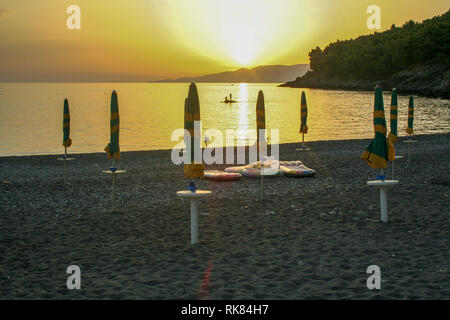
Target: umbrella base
383	186
193	197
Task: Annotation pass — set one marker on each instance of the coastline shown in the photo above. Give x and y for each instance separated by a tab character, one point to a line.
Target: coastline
313	238
427	81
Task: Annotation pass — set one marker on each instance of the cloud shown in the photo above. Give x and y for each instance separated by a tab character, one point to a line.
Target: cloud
3	12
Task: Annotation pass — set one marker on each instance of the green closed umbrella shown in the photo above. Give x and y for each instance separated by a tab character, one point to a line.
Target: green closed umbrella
192	115
393	135
380	151
409	129
394	112
260	121
113	147
303	121
260	133
67	142
304	114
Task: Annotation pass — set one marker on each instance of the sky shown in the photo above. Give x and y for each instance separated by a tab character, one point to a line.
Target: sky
145	40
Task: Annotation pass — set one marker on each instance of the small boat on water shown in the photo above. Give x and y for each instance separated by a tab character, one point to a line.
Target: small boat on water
229	99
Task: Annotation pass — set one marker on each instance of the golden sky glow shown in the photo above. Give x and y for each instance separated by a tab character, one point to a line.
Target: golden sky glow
124	40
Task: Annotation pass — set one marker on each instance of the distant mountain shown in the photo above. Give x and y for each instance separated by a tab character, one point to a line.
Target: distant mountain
271	74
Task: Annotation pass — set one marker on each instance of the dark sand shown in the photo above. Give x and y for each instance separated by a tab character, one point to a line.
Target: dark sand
312	237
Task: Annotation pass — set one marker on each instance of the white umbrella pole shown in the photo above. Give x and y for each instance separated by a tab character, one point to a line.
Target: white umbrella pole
65	165
261	170
383	202
303	145
114	183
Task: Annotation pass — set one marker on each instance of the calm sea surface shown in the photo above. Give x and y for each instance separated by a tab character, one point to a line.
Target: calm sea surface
31	114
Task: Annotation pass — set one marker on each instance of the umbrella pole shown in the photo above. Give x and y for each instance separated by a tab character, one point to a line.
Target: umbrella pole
65	165
114	184
303	145
383	202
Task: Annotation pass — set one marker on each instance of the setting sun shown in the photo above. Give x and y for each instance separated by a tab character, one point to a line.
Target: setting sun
243	49
237	32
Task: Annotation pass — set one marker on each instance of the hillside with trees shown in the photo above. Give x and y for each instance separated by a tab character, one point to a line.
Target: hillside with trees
414	57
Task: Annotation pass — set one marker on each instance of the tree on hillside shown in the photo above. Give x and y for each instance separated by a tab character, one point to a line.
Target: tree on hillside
375	56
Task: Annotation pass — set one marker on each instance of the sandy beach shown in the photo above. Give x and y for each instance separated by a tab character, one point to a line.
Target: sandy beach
312	238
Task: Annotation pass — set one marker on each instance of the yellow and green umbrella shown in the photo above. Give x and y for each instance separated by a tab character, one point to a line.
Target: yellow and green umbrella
260	133
394	112
260	120
380	151
409	129
192	115
304	114
303	121
113	148
67	142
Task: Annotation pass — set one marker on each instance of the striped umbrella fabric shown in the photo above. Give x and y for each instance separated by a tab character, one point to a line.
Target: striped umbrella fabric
304	114
394	112
191	115
260	120
409	129
67	142
113	147
380	151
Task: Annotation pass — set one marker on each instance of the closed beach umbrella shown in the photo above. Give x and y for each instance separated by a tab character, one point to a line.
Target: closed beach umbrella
260	125
113	148
191	115
409	129
380	151
303	120
304	114
394	105
260	120
67	142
